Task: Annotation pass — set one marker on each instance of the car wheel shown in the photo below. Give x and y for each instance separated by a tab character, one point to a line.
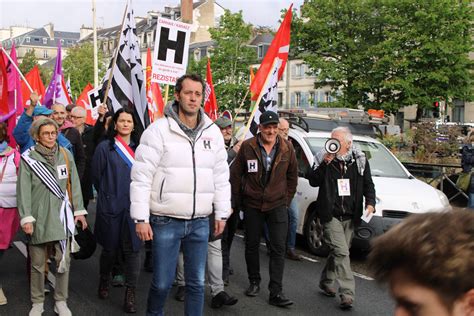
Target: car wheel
314	236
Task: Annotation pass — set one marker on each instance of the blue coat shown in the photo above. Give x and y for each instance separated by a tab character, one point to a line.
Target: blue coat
25	141
111	178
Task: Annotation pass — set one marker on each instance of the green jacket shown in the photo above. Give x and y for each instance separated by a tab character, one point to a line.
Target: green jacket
38	205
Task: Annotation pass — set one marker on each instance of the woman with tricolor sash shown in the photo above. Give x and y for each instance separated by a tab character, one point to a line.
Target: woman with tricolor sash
49	200
114	229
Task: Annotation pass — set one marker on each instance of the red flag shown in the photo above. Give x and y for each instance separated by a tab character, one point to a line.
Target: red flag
153	93
210	102
83	101
279	48
34	79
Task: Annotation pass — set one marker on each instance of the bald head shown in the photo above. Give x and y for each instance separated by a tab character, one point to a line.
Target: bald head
283	128
59	113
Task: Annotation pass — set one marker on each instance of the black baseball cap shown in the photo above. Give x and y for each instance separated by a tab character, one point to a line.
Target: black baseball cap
269	117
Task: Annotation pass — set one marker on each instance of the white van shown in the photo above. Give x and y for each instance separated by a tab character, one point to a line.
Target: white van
398	193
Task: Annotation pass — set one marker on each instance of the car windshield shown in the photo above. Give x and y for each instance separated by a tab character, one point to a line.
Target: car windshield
382	163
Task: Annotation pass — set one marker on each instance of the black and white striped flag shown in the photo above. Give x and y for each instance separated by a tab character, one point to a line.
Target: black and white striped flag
128	82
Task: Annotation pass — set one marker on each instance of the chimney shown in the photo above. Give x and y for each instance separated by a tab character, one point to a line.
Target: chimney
85	31
187	11
50	30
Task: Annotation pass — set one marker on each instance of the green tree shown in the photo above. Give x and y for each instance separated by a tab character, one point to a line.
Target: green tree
388	54
231	59
28	62
79	66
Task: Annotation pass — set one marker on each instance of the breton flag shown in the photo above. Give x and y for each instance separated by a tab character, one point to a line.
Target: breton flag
153	92
34	79
264	85
57	91
127	88
210	102
68	87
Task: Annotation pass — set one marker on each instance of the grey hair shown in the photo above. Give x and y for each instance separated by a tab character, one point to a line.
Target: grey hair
344	130
36	126
58	104
79	110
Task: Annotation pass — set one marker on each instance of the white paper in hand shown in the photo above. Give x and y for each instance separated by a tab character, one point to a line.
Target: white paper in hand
366	216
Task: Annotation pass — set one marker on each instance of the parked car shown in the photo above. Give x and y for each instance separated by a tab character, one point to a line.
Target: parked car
398	193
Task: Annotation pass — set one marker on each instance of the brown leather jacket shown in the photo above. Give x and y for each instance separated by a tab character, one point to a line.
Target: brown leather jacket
247	187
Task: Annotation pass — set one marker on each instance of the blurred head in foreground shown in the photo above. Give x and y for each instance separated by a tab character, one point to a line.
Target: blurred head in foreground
428	262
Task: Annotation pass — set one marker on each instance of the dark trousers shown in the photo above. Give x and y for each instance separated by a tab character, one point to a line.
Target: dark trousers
277	222
131	259
227	238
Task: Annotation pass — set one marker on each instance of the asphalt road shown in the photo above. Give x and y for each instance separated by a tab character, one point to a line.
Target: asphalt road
300	285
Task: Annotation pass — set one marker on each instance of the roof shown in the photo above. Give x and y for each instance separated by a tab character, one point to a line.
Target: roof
265	38
202	45
36	38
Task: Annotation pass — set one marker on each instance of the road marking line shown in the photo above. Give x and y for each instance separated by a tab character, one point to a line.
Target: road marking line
22	248
363	276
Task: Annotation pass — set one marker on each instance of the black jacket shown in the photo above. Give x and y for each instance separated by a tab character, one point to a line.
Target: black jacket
89	147
75	139
325	177
467	162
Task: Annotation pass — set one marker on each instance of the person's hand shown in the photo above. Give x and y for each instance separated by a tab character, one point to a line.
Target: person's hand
237	146
144	231
370	209
329	157
218	227
102	110
82	220
34	98
28	228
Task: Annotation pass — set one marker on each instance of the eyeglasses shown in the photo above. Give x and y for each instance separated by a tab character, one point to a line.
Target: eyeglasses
50	134
77	117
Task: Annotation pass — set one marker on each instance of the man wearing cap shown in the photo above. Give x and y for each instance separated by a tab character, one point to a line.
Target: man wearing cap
231	144
33	112
264	176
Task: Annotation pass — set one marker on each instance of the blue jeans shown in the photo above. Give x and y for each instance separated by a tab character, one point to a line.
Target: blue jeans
168	235
292	224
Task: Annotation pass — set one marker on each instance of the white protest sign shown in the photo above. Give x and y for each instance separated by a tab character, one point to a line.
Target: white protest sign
95	99
170	57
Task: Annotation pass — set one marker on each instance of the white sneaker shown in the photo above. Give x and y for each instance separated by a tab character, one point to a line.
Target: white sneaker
36	310
61	309
3	299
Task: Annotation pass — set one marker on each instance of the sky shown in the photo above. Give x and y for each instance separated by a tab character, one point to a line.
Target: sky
69	15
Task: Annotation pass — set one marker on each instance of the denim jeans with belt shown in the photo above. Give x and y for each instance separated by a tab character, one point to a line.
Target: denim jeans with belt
168	235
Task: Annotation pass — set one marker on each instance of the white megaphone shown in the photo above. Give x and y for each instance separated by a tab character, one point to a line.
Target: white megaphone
332	146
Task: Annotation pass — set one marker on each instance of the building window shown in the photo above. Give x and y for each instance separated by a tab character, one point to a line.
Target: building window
280	99
297	99
45	41
260	51
298	71
311	99
45	54
27	39
62	41
203	53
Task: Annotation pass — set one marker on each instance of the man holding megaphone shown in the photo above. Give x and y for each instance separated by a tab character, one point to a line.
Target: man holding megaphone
342	173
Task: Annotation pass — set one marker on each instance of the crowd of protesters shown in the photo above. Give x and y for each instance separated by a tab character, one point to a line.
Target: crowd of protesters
179	188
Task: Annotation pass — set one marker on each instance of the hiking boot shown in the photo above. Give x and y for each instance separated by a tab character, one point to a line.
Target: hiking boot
103	288
129	301
60	308
346	302
327	290
36	309
222	298
280	300
179	296
292	255
253	290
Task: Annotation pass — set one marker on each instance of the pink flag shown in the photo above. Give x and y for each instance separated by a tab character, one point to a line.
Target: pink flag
15	99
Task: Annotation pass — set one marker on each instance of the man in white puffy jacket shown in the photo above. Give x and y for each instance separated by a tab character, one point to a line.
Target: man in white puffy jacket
180	176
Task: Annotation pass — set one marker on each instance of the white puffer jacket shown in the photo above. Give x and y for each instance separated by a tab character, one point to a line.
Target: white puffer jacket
173	177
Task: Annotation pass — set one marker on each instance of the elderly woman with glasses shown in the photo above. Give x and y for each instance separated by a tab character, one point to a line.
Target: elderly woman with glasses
50	205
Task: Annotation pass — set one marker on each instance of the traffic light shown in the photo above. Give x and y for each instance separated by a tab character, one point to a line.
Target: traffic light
436	109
